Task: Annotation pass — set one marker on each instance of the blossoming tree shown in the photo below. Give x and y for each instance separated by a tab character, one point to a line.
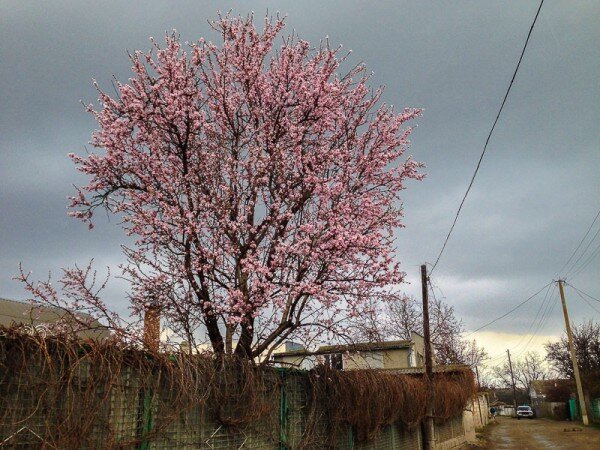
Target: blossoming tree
261	186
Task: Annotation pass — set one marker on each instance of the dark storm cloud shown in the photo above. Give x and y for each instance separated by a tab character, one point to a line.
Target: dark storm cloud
537	190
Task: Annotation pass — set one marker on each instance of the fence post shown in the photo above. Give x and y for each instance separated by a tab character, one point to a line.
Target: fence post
147	416
283	411
148	420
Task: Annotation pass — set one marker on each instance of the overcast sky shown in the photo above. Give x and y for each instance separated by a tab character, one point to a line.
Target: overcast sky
536	193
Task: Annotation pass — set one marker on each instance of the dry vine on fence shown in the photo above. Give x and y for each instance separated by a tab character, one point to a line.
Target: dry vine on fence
77	393
368	400
74	395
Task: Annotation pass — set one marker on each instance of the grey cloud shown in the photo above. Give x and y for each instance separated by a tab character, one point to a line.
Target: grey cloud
537	190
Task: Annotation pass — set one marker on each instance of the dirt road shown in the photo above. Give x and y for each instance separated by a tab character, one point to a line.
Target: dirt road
527	434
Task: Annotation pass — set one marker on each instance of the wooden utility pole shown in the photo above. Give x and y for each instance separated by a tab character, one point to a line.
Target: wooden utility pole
429	440
584	415
478	393
512	377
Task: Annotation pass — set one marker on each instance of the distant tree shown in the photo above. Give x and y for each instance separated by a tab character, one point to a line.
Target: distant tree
396	316
586	338
487	379
526	369
559	392
261	185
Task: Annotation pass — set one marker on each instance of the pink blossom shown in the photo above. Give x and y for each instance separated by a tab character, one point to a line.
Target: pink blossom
263	188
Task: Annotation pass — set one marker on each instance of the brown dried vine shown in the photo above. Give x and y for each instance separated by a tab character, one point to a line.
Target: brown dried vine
369	400
74	395
75	392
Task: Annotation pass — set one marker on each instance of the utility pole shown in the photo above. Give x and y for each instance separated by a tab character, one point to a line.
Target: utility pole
512	377
478	393
429	440
584	415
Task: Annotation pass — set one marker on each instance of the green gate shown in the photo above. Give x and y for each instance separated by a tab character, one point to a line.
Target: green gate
573	409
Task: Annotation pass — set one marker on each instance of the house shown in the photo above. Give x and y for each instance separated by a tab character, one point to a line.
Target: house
41	319
372	355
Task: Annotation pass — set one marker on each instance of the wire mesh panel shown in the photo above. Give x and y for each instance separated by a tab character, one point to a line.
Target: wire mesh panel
409	439
126	398
196	427
21	424
450	429
296	410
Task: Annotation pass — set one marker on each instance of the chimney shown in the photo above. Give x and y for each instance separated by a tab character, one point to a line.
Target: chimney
152	328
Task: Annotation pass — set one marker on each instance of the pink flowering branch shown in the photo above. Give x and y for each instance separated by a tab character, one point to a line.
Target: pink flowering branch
79	304
260	184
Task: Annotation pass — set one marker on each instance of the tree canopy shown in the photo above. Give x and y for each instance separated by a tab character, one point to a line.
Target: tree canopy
261	186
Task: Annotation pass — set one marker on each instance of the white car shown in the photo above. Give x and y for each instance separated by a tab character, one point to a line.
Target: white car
524	411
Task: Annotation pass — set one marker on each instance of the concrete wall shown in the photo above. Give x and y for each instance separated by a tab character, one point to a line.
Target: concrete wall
480	408
508	411
551	410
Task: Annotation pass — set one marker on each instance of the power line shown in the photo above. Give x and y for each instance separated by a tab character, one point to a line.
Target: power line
547	305
488	139
587	301
581	292
545	316
511	311
541	312
580	243
587	262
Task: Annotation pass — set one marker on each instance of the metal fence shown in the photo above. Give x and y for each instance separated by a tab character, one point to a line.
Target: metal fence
131	415
596	409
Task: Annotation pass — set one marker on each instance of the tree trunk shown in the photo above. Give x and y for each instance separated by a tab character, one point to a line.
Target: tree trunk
244	346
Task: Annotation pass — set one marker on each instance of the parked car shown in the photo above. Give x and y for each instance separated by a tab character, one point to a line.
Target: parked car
524	411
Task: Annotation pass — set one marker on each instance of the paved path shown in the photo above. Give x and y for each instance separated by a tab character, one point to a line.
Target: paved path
534	434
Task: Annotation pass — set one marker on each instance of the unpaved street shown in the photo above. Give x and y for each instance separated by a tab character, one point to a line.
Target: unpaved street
541	434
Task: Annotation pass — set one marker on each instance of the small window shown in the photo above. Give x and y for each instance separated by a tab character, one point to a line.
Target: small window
334	360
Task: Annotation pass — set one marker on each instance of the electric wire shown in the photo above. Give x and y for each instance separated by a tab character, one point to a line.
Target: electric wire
580	243
582	292
510	311
488	137
544	319
588	302
535	325
547	306
587	262
532	324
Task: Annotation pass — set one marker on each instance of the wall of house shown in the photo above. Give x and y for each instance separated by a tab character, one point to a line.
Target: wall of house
419	348
297	361
385	359
396	359
364	360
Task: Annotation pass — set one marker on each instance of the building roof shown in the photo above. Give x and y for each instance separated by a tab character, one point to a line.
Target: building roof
350	348
442	368
13	313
